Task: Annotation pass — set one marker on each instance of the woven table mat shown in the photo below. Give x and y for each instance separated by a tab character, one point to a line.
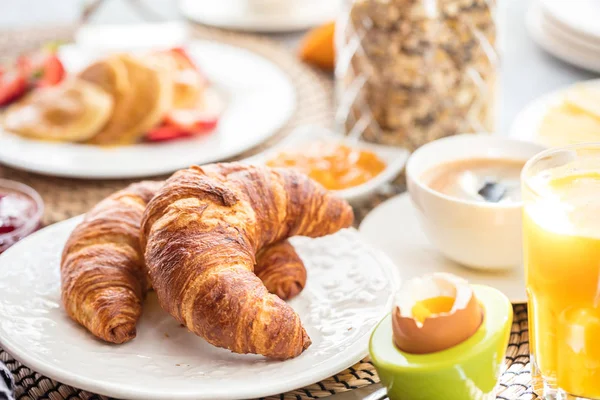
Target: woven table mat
514	383
65	198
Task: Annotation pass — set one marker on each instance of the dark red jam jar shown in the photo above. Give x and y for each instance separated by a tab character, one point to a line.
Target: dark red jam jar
21	210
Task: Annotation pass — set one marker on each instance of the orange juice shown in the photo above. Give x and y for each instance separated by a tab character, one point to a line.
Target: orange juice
561	222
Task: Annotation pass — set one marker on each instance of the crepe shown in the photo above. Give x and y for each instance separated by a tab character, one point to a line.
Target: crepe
110	74
140	104
188	85
73	111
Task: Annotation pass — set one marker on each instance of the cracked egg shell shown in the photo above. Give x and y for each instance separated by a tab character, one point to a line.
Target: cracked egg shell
434	313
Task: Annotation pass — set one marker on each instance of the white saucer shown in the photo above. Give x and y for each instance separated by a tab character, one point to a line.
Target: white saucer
236	14
349	289
260	98
394	228
579	16
527	123
562	43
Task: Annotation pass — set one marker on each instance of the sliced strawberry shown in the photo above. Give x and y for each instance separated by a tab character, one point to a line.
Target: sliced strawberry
183	56
52	71
192	120
182	123
185	61
12	86
24	64
166	133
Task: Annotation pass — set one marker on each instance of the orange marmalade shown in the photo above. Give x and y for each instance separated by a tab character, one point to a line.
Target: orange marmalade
333	165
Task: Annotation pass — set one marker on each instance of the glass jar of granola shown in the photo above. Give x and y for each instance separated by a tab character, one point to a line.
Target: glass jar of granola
412	71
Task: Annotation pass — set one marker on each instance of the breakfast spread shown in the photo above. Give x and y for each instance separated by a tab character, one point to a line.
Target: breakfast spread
215	242
20	212
444	339
492	180
199	237
120	99
562	258
335	166
575	119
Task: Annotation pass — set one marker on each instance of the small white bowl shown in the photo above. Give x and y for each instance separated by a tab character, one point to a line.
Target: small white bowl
394	158
475	234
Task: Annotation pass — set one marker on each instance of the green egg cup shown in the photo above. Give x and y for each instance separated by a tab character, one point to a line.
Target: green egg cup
467	371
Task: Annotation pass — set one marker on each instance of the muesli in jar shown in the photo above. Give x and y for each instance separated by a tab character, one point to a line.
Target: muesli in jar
412	71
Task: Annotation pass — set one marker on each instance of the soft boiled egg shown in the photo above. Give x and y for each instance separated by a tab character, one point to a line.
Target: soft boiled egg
435	312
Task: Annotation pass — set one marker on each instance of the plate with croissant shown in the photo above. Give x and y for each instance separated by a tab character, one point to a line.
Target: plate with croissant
225	281
70	111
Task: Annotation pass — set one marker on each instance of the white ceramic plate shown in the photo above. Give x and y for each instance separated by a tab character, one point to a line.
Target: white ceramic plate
527	123
394	228
349	289
394	157
259	100
271	16
559	43
568	36
138	35
578	16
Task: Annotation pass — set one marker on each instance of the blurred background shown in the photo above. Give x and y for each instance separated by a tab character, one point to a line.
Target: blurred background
96	95
527	71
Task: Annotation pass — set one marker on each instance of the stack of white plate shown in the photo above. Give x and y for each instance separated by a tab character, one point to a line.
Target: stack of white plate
569	30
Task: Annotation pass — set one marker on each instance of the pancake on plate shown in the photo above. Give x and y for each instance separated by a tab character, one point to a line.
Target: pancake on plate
141	106
72	111
188	84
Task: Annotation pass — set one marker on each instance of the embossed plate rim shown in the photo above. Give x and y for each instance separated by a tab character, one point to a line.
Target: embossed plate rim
72	375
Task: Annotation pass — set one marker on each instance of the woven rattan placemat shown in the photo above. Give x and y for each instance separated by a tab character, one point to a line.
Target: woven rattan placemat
514	382
65	198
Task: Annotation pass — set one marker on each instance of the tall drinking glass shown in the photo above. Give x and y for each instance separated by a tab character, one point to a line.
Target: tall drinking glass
561	233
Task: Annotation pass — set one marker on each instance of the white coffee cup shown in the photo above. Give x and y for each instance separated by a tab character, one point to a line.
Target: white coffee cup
475	234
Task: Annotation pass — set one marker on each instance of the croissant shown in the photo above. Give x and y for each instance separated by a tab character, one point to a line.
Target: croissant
281	270
103	278
200	235
103	273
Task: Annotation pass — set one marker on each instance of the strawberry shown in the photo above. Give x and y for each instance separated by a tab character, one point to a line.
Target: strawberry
164	133
12	86
40	69
184	60
24	65
182	123
192	120
183	56
50	72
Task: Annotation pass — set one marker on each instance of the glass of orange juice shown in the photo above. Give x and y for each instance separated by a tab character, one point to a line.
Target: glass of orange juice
561	234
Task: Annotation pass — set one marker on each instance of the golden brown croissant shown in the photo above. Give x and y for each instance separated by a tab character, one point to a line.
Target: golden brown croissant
200	234
102	269
281	270
107	240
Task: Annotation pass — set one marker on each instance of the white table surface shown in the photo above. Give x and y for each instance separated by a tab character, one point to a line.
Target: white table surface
527	71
